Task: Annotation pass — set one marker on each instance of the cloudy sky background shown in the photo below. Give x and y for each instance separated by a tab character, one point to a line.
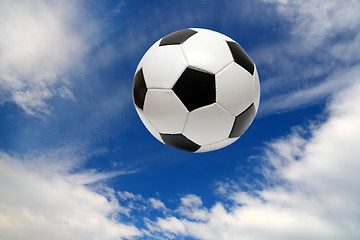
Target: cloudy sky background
77	163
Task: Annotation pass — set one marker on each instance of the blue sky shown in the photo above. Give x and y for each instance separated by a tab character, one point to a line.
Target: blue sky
76	161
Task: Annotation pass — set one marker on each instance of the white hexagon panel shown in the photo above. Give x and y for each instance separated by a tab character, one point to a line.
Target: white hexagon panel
217	145
165	111
208	124
206	52
163	65
213	34
234	88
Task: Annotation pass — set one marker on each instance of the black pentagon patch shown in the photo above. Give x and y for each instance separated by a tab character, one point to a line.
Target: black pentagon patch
195	88
242	122
179	141
240	57
177	37
139	89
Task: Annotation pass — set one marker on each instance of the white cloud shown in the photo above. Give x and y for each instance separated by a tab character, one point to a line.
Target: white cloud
125	195
157	204
317	21
92	176
311	187
307	96
172	224
323	39
40	202
40	42
191	207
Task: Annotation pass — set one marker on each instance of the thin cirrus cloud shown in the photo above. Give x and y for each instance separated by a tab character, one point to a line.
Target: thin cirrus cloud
302	97
324	35
40	43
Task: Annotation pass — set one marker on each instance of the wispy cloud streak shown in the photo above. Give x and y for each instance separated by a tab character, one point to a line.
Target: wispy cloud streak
322	39
40	42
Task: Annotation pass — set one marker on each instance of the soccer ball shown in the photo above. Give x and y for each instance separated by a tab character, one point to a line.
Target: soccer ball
196	90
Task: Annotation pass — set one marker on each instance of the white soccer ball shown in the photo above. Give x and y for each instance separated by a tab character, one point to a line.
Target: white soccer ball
196	90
